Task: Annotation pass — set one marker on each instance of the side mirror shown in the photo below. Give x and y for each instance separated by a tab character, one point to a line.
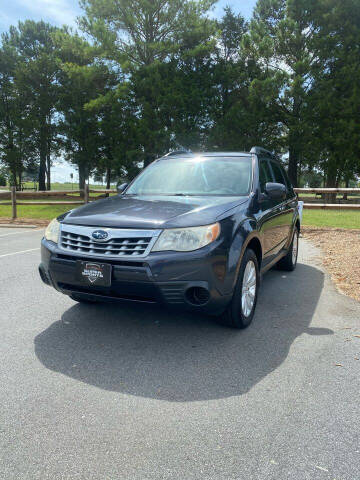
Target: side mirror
121	188
276	191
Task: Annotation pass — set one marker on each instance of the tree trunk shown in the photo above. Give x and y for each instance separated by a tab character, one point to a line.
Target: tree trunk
13	179
330	183
293	166
108	178
11	160
82	179
345	196
43	155
48	170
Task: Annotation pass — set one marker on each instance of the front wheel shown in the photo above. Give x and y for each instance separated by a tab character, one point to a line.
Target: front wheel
240	312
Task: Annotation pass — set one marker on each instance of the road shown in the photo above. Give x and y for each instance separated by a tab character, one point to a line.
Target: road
111	392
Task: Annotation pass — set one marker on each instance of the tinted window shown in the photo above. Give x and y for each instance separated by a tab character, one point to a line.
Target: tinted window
264	174
198	175
277	173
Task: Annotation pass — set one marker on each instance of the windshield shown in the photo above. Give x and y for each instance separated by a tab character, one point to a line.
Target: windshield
195	176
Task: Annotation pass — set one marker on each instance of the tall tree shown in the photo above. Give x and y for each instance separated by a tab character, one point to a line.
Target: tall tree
16	143
36	80
280	38
118	129
80	80
238	118
141	35
9	113
334	100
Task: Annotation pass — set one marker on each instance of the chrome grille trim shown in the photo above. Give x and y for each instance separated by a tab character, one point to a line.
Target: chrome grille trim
122	242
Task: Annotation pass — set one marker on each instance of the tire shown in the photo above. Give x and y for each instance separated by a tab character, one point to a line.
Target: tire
240	312
288	263
81	299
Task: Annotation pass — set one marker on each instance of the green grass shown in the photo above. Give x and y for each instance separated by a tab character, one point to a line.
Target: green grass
332	218
44	212
317	218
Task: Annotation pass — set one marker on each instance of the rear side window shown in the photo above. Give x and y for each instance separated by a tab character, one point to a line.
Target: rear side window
264	174
279	178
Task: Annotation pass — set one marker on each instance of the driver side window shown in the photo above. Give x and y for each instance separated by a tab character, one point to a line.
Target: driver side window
264	174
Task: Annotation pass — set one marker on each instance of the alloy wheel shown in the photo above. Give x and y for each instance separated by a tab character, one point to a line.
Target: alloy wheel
248	292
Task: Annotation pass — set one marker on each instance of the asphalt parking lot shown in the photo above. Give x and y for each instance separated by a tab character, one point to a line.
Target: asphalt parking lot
111	392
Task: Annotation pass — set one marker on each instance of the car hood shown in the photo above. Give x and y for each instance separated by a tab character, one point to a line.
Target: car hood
152	212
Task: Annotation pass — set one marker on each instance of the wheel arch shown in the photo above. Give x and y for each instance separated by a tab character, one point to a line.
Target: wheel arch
255	245
253	242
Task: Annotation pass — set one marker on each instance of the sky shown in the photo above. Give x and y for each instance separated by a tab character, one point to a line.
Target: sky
60	12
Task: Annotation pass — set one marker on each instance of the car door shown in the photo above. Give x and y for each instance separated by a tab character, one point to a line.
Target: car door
267	214
291	200
284	208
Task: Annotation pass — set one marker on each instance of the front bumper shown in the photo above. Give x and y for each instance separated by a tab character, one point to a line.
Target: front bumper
168	278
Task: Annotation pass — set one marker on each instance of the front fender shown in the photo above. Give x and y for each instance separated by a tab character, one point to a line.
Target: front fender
242	236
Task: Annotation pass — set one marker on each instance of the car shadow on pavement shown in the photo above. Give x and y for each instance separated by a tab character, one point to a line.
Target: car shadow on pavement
179	356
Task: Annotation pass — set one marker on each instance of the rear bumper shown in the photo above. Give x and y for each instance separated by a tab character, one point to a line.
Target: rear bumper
170	278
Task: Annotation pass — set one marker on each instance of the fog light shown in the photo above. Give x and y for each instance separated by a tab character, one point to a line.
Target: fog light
197	295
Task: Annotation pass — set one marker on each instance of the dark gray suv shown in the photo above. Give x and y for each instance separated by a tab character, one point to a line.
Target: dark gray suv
192	230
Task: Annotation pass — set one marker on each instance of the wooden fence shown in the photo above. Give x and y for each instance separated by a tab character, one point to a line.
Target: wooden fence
15	197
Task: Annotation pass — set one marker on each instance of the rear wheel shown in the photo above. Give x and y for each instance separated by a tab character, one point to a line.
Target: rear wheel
289	262
240	312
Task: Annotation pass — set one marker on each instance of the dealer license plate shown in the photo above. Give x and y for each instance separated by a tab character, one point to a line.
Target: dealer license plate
90	273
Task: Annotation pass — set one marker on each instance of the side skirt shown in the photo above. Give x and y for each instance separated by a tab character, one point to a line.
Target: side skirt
281	254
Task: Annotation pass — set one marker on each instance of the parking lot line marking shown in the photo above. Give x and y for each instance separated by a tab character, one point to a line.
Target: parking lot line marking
22	251
17	233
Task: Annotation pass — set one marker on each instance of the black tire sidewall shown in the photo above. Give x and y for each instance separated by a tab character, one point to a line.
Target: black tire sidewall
296	233
286	263
289	260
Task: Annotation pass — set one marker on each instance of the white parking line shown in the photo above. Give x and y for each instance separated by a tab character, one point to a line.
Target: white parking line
22	251
17	233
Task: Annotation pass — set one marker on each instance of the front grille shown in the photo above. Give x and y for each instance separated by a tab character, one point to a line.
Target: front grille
122	243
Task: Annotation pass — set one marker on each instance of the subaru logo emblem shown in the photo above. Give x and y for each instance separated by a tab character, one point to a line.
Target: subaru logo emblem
100	235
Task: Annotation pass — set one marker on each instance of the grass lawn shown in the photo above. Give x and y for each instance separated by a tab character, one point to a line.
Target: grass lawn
317	218
47	212
332	218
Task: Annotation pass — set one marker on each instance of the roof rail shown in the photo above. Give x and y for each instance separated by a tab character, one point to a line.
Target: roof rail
178	152
262	151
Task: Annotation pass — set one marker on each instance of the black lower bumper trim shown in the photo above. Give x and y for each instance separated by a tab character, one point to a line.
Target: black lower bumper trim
102	293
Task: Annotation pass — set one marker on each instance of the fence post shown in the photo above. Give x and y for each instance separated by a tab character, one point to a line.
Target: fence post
13	202
86	193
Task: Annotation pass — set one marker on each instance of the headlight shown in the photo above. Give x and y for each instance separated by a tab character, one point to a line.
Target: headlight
186	239
52	231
